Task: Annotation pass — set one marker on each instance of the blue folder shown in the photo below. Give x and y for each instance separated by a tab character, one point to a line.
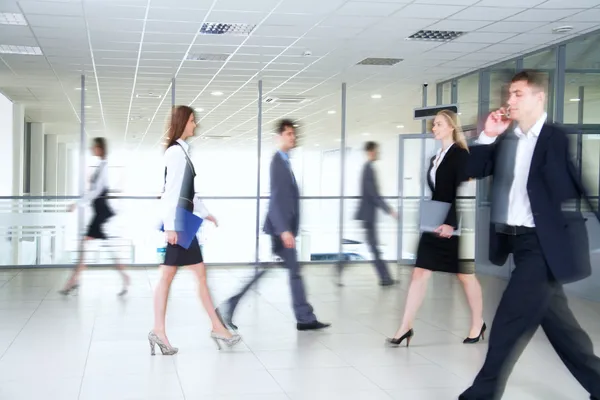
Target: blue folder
187	225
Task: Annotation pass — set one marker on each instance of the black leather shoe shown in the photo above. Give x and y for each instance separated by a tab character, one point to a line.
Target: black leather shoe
391	282
311	326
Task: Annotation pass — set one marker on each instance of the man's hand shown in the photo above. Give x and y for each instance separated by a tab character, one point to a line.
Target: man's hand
496	123
288	240
394	214
213	220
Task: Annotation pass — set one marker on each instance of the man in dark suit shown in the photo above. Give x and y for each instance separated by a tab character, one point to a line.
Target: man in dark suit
282	224
370	201
533	176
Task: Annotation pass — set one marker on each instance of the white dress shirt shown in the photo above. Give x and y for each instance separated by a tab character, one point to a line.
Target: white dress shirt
519	206
98	185
439	157
176	163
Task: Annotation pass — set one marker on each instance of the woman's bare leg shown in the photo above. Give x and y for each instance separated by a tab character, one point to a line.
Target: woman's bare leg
475	299
161	295
416	294
206	299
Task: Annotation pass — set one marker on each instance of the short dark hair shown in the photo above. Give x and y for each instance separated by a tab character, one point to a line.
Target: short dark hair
283	125
533	78
371	146
100	143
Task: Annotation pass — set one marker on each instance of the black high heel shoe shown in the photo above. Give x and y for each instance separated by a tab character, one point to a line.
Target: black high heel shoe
398	341
481	336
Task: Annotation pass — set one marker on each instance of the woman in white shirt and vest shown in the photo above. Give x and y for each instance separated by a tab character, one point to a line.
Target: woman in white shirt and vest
102	213
179	192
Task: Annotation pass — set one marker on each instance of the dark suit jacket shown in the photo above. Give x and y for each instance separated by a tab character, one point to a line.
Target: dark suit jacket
370	199
449	175
550	183
283	214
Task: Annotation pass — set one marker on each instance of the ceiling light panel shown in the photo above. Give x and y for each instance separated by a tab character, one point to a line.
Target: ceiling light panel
22	50
435	36
12	19
208	57
380	61
219	28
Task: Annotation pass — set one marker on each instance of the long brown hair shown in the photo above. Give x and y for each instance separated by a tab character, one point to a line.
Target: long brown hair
180	115
457	134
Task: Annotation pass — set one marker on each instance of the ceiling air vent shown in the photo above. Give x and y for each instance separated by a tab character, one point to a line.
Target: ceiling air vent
207	57
435	36
285	100
149	95
380	61
219	28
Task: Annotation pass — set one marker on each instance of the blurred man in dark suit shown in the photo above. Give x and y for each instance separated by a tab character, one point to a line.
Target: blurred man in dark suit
370	201
533	177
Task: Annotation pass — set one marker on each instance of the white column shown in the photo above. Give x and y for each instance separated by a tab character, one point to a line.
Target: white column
6	150
51	168
72	169
18	144
37	160
61	169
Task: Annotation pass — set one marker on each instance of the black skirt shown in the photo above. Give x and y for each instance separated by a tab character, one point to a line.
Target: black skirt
441	254
102	213
177	256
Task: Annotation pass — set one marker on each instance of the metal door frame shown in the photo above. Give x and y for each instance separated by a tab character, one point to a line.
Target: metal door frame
400	205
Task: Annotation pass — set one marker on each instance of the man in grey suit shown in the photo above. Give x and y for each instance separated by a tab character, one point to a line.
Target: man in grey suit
370	201
282	224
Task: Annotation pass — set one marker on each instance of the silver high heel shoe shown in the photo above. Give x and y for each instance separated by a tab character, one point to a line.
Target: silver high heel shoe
164	349
229	342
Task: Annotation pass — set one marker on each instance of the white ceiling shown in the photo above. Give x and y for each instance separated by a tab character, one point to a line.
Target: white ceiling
129	47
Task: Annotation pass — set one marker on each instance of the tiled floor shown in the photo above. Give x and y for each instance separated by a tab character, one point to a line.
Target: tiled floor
93	346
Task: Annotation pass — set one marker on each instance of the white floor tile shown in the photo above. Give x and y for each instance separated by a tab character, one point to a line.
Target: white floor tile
93	346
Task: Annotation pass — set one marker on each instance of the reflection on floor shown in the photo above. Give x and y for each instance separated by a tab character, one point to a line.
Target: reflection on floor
93	346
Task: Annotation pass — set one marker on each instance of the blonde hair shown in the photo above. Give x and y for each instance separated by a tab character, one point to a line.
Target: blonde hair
457	134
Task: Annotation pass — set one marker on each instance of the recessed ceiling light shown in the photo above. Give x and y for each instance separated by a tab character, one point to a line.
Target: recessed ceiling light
331	112
375	96
366	134
22	50
217	93
79	89
199	109
435	36
317	144
338	140
12	19
574	100
399	126
148	95
87	106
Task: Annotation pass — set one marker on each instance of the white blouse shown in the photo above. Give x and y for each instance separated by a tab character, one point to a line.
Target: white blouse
437	161
176	163
98	185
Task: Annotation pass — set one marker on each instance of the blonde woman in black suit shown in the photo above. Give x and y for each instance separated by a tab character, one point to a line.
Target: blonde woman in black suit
438	251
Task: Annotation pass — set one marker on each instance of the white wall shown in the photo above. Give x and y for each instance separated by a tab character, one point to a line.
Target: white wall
6	150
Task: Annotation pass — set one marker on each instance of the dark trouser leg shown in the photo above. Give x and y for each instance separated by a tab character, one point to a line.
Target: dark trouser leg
571	343
521	310
302	309
232	302
380	266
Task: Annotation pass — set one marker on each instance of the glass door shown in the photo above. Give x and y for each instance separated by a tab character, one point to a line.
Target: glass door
415	152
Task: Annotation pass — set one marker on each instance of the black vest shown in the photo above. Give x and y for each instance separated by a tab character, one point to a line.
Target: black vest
187	193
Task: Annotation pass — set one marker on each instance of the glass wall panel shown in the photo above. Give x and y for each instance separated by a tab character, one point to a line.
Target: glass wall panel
468	98
590	162
582	98
500	76
447	92
545	61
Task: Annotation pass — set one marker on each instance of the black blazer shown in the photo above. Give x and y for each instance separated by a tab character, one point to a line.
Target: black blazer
551	182
448	177
283	214
370	199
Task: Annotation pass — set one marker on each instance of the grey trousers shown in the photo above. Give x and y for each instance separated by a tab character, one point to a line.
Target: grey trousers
380	266
302	309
